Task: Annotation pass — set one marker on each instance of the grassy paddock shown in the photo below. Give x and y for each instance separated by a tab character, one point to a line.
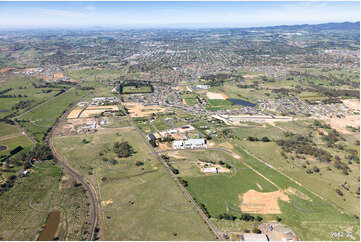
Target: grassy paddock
148	186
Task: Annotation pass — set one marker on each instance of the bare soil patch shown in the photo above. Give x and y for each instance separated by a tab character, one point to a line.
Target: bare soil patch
259	186
216	95
139	110
352	103
262	202
92	110
340	123
104	203
6	69
74	113
164	146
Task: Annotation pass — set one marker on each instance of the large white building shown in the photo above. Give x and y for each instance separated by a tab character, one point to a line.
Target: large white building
189	144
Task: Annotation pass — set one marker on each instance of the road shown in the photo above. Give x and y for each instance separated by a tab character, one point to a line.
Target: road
181	187
62	162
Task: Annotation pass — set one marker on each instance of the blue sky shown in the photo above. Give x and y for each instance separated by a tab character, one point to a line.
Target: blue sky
173	14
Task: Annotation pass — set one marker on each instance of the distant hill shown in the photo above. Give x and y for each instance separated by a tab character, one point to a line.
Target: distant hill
314	27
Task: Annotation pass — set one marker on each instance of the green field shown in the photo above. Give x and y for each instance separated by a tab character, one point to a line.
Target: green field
216	191
42	118
148	186
190	99
24	90
134	89
94	74
220	191
219	102
11	137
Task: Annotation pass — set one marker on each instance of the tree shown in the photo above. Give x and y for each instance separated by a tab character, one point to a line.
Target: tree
123	149
266	139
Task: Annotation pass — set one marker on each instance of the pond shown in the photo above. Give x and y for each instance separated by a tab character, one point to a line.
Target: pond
2	147
51	226
241	102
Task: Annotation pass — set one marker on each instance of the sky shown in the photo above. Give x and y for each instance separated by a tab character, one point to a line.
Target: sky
173	14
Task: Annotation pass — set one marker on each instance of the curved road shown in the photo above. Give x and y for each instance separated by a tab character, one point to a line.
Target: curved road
62	162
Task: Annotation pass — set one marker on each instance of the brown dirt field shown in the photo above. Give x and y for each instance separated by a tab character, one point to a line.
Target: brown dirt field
58	75
180	88
340	123
138	110
6	69
352	103
74	113
259	186
216	95
91	110
251	76
175	154
164	146
262	202
110	107
104	203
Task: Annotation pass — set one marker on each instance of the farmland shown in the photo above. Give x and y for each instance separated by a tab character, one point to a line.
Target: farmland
146	185
180	134
42	118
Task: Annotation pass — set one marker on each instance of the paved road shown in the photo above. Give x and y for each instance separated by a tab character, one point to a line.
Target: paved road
181	187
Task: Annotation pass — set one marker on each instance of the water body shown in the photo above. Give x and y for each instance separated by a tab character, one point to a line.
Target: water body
4	111
51	226
2	147
241	102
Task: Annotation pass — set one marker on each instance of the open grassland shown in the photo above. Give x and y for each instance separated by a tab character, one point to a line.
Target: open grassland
25	207
11	138
94	74
7	129
137	201
220	192
328	179
303	210
134	89
300	214
24	90
42	118
190	99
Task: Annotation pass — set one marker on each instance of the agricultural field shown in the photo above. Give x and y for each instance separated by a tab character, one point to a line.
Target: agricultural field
132	189
26	206
94	74
134	89
300	208
42	118
20	93
11	138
